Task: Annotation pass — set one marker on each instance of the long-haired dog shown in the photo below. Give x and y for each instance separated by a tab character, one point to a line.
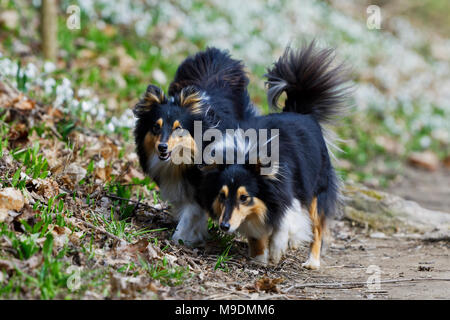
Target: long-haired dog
210	87
288	206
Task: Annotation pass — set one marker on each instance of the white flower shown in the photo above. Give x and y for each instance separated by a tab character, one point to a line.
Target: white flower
83	92
159	76
110	127
49	84
425	142
86	106
49	67
31	71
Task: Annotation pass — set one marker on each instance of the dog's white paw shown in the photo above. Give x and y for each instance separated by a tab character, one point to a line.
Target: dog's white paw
192	229
311	264
190	237
275	256
295	243
279	243
262	259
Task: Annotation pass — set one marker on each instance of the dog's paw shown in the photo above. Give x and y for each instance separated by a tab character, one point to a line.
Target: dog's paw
278	247
190	239
275	255
311	264
261	259
295	244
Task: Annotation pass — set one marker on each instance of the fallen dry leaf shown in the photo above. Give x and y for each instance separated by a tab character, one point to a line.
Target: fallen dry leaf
129	287
18	131
75	172
133	173
140	248
11	199
268	285
4	215
27	213
48	188
446	162
427	160
9	18
22	103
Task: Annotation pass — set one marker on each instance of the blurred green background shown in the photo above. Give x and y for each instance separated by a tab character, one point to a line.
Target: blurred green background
401	103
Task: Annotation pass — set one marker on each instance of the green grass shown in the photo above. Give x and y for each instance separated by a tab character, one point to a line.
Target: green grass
36	166
225	241
223	258
166	274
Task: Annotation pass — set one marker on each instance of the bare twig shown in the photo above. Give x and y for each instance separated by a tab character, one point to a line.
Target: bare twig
8	85
113	196
346	285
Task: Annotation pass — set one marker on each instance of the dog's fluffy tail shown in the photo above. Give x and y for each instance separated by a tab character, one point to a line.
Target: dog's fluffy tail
312	84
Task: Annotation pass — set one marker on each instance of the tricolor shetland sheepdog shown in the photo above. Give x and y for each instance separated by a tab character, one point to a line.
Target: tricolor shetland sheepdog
288	206
210	87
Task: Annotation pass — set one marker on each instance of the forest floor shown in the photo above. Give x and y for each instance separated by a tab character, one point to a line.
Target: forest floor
91	226
429	189
343	275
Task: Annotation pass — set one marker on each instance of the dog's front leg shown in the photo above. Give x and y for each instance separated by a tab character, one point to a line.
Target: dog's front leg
259	249
192	228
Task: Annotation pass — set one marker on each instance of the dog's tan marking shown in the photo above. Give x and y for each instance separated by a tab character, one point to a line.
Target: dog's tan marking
242	191
159	122
218	209
193	100
176	125
257	247
218	206
317	226
224	190
151	98
254	212
150	143
181	141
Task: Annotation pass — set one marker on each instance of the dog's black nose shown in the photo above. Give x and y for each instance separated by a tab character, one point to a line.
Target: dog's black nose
225	226
162	147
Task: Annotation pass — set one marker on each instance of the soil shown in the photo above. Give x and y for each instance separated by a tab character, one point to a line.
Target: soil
431	189
343	273
346	260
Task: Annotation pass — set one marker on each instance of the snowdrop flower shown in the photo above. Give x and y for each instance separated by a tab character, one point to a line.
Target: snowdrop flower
110	127
31	71
101	112
49	84
86	106
49	67
83	92
425	142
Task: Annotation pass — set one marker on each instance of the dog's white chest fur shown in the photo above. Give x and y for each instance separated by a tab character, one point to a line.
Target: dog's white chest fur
192	220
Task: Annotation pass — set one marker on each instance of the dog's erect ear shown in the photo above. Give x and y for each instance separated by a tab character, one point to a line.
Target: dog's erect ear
191	98
152	96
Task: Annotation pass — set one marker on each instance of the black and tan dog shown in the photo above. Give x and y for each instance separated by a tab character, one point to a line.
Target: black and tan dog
210	87
290	205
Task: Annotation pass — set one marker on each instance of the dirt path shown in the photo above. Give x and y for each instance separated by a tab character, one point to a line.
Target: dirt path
346	260
429	189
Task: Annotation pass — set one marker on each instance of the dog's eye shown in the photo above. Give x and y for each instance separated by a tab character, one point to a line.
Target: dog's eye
222	196
243	198
156	128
